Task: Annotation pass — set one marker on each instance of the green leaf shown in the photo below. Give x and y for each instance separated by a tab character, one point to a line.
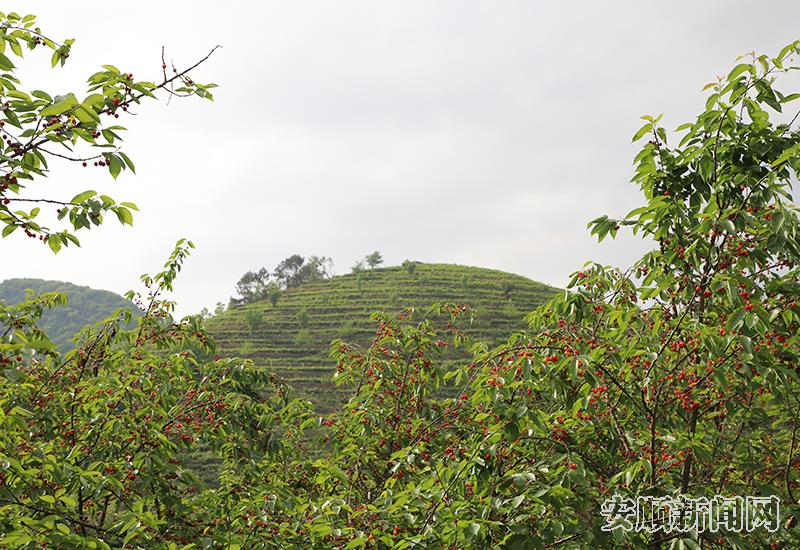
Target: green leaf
739	69
786	51
77	199
790	97
15	47
71	238
114	165
642	131
787	154
85	115
68	500
93	100
62	106
727	225
124	215
5	63
735	319
127	161
17	94
55	243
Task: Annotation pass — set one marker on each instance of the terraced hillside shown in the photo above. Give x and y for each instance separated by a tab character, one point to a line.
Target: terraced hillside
293	336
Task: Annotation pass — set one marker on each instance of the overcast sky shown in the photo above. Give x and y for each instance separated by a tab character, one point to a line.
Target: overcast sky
479	133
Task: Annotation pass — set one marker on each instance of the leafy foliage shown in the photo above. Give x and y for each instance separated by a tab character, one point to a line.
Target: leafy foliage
676	376
92	445
38	127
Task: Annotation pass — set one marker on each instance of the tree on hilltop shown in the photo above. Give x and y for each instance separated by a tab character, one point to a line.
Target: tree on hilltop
296	270
289	273
253	286
374	259
410	266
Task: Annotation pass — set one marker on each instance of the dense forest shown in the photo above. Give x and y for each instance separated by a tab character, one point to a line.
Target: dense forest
85	306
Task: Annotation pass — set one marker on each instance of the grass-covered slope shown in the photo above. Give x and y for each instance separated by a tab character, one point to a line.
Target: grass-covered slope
85	306
293	337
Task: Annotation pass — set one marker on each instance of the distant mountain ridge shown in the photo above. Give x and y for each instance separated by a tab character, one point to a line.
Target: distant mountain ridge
85	306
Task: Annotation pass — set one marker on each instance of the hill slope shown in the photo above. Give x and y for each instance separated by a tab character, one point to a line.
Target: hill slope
293	337
85	306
